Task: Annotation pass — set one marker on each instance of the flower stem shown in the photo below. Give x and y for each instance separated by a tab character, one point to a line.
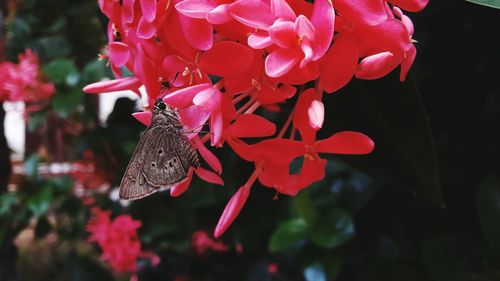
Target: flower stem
252	109
285	126
247	105
219	84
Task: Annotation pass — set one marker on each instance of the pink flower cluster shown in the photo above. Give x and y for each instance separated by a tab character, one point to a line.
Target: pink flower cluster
202	243
23	81
118	240
219	61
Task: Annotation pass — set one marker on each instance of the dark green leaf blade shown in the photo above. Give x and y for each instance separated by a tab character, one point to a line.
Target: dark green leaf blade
288	233
62	71
488	3
335	229
393	115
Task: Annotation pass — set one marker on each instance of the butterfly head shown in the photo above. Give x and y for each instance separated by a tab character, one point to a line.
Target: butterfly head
160	105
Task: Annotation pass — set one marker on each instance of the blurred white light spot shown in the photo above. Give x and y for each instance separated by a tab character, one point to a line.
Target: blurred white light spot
14	126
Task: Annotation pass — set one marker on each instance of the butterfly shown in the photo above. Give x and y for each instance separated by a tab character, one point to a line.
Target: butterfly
162	158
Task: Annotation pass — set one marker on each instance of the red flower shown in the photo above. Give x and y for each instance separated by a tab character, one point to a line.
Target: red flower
23	81
225	60
202	243
118	240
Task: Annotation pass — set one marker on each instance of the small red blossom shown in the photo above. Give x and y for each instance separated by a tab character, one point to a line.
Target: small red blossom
24	81
202	243
118	239
219	62
272	268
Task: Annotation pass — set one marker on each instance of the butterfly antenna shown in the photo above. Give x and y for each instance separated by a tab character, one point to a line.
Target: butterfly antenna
168	85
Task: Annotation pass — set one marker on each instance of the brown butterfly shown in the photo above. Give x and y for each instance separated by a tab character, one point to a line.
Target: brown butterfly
162	157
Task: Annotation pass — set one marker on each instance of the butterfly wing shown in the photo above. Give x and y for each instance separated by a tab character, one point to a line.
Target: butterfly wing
134	185
168	163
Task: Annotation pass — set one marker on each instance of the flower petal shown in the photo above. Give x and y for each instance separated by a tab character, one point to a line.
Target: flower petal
259	40
376	66
144	117
304	28
361	12
272	94
184	97
118	53
252	13
323	19
183	186
209	176
208	99
148	8
146	72
312	171
251	126
219	15
274	174
193	118
197	9
208	156
316	114
279	62
278	150
216	127
338	66
301	117
145	29
410	5
404	19
128	11
346	142
176	38
122	84
407	62
282	33
171	69
281	10
232	210
236	59
198	32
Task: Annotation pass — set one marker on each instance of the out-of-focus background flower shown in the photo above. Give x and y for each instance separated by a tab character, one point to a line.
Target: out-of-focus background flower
425	205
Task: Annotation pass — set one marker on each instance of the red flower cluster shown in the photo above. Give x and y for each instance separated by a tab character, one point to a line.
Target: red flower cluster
23	81
257	51
118	240
202	243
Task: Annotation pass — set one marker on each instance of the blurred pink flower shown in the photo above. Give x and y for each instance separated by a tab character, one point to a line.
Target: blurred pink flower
24	81
118	239
202	243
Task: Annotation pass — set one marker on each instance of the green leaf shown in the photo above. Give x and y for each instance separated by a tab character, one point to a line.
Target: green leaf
304	206
288	233
7	200
335	229
40	202
36	119
488	210
52	47
489	3
95	71
65	103
392	114
62	71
